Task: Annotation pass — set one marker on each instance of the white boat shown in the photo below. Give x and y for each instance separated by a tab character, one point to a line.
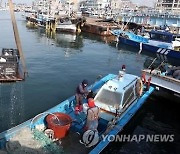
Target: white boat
65	25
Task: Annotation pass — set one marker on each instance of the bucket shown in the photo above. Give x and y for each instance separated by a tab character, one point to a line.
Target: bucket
59	123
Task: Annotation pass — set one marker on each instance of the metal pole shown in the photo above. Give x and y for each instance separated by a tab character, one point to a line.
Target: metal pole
16	35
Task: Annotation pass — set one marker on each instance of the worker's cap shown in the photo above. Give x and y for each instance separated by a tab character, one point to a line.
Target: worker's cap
85	82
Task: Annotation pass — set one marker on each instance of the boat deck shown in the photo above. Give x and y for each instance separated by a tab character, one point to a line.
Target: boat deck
71	144
166	82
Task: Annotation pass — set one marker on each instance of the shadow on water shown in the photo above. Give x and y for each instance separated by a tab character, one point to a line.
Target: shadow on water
159	116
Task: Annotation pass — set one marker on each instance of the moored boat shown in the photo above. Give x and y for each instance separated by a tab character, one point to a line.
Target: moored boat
159	42
118	97
65	25
163	76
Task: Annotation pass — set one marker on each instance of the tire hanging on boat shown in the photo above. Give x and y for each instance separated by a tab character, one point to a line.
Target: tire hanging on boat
139	87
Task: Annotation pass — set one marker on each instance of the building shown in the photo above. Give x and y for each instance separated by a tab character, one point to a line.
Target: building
122	6
113	5
170	6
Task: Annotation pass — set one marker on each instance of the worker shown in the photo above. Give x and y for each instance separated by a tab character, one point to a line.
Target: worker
81	91
92	115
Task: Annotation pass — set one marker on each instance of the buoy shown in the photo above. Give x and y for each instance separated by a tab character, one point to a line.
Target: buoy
139	87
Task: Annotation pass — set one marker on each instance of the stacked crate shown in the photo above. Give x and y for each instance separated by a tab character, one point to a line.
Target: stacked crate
9	62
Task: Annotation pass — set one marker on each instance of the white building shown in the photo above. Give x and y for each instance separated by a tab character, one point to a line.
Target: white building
164	6
122	6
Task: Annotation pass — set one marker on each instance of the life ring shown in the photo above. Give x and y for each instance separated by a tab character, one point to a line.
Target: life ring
139	87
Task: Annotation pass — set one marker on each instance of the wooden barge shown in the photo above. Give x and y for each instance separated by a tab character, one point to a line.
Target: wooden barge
98	26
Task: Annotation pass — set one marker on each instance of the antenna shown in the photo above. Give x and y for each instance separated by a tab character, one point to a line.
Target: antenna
16	35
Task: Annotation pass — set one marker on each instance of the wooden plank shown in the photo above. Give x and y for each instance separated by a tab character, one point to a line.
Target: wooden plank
16	35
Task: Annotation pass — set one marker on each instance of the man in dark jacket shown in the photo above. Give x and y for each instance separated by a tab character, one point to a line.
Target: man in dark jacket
81	91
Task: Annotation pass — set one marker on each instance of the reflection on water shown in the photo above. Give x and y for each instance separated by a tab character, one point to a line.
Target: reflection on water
64	40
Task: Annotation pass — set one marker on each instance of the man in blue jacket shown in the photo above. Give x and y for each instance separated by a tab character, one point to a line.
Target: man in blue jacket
81	91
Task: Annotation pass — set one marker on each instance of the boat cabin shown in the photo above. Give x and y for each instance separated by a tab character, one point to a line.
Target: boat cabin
162	36
116	95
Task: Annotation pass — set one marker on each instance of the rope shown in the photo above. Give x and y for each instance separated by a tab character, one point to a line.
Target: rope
152	62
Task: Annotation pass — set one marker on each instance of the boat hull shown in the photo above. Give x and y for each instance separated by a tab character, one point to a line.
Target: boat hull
153	49
66	28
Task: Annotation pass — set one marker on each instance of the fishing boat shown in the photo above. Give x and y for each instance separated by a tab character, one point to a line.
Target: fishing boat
159	42
65	25
163	76
118	97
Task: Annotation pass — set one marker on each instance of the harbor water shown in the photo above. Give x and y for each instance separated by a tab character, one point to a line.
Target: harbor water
58	63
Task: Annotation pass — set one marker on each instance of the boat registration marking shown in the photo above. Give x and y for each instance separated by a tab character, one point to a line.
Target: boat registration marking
166	52
162	51
159	50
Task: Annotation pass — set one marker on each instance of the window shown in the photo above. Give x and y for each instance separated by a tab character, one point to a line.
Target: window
109	97
128	96
160	37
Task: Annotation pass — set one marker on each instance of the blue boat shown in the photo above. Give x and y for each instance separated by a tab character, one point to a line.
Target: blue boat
159	42
118	97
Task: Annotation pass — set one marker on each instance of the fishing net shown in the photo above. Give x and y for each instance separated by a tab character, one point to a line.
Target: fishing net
27	141
47	143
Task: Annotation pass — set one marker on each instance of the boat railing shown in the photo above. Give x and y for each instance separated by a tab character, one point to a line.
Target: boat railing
167	78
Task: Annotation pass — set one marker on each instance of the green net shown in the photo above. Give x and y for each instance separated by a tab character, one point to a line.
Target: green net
47	144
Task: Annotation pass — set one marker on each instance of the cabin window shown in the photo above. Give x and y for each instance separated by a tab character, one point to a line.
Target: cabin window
128	96
109	97
160	37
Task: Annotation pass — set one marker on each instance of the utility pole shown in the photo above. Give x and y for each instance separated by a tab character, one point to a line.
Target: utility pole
16	35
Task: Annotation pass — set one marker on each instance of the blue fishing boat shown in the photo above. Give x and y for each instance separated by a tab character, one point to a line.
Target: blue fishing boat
159	42
118	97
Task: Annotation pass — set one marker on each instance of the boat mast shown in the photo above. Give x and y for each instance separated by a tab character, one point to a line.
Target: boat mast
16	35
